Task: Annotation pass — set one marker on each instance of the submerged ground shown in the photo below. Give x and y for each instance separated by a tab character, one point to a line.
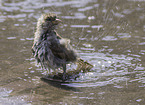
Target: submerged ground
109	34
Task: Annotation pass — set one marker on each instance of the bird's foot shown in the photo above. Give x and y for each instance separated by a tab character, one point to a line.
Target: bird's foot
64	77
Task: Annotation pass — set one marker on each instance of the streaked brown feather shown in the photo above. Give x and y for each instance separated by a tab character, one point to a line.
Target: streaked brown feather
50	49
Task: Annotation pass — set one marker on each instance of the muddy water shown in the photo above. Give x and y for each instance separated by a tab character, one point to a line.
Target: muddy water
107	33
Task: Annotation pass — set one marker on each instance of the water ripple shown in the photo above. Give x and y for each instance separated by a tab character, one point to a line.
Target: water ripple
109	38
108	69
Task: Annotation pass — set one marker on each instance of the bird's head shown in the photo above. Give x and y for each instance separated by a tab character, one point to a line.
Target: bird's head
49	21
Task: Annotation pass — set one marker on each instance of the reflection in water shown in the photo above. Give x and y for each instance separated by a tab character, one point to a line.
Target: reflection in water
108	34
59	85
5	99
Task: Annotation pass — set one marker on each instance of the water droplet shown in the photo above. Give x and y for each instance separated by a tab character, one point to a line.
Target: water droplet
29	38
11	37
16	24
3	28
109	61
80	26
32	71
139	100
22	39
30	68
91	17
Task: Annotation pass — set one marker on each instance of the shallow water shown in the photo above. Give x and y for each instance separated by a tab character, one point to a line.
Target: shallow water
109	34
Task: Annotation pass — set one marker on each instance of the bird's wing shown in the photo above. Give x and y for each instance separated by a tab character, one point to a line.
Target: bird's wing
62	50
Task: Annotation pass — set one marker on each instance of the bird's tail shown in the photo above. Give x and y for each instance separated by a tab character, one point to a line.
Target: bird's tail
83	65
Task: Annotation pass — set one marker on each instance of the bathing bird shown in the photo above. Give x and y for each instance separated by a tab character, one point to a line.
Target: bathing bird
49	48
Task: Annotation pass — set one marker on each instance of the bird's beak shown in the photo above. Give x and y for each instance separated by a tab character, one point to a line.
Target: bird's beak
57	21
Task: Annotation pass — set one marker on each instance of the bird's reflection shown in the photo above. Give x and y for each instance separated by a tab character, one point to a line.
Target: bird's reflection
58	84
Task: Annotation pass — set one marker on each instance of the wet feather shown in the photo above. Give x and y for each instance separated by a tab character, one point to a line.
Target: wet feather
49	48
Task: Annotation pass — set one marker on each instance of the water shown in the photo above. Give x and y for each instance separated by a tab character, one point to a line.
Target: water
109	34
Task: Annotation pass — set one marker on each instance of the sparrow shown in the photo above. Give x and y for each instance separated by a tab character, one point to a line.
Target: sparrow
49	48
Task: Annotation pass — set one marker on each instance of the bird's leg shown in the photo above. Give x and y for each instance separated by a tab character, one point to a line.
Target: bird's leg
64	72
48	70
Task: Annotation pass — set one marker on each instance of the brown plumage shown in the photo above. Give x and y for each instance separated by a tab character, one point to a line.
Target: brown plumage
50	49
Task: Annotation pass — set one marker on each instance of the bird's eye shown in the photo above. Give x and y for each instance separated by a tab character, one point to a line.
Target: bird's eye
48	19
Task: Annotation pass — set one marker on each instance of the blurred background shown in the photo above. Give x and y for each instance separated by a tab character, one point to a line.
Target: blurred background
109	34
